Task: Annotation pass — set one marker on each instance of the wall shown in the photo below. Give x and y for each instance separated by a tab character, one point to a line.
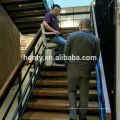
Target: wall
118	67
74	19
9	46
25	41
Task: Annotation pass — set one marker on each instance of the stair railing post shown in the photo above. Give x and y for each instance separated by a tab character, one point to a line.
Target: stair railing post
34	56
31	98
20	93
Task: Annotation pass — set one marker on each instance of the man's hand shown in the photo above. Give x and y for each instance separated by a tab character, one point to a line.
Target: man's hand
57	33
50	28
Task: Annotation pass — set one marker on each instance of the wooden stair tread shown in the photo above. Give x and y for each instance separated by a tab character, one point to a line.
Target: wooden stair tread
12	1
53	73
59	73
55	66
61	93
51	116
56	81
28	13
25	6
56	104
52	82
55	91
28	19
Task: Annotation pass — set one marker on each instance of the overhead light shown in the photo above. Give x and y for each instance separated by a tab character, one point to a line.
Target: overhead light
63	11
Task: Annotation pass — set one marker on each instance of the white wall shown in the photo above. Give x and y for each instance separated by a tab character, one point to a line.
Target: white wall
25	41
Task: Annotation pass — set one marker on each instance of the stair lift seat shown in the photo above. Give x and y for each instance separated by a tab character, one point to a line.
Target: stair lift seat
50	47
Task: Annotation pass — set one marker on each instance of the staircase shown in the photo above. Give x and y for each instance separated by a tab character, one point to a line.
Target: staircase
26	14
50	93
51	96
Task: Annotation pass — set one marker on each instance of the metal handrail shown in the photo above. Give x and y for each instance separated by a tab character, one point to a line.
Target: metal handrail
17	74
11	79
104	102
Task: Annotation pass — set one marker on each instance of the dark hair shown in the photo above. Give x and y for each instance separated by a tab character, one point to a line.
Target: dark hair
55	5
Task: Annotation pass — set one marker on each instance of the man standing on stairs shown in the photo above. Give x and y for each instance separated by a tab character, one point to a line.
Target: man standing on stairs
50	23
81	43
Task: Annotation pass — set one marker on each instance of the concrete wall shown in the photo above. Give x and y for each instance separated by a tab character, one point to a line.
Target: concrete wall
9	46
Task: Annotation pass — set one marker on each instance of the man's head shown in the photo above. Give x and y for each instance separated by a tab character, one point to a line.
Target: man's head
56	9
85	23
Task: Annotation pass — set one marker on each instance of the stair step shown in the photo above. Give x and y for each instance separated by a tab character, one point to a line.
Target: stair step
54	67
60	82
59	92
53	73
59	105
26	6
27	14
51	116
52	82
59	73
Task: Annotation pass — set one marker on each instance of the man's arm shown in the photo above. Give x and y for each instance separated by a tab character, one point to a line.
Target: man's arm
45	24
67	50
46	21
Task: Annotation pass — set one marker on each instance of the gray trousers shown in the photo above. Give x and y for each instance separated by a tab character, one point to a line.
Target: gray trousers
78	79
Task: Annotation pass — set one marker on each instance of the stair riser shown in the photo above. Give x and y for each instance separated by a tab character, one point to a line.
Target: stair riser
59	74
59	84
52	116
64	98
54	69
92	97
93	87
56	109
49	68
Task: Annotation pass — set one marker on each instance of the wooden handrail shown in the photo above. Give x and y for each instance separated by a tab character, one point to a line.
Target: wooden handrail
12	77
103	80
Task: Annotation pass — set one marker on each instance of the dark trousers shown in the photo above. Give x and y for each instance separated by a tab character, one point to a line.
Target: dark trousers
78	79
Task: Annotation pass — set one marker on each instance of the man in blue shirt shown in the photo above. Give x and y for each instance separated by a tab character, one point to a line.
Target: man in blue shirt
51	24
